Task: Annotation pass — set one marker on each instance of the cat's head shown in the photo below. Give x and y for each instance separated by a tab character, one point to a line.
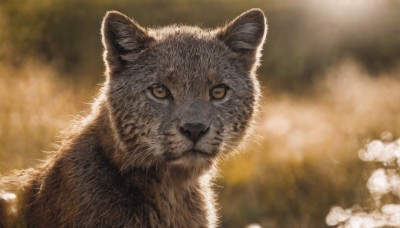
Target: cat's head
181	96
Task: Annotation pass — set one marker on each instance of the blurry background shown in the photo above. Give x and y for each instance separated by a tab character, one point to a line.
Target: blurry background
330	76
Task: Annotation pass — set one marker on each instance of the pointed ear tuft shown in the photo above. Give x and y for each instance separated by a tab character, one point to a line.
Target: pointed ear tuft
245	36
123	39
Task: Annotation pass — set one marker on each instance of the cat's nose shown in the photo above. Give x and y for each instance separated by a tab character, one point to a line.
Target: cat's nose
193	131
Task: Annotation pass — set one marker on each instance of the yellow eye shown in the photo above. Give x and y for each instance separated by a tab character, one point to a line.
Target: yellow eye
218	92
160	91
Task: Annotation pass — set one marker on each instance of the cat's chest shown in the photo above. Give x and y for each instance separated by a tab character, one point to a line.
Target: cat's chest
182	209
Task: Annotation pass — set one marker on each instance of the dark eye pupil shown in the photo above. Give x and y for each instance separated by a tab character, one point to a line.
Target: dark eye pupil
218	92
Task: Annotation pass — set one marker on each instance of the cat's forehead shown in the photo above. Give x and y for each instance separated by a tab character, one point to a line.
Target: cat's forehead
187	57
192	70
176	76
187	42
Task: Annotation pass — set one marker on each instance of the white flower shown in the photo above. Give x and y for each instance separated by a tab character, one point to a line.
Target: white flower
337	215
378	183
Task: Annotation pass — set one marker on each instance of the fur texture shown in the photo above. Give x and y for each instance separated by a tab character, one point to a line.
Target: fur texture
142	160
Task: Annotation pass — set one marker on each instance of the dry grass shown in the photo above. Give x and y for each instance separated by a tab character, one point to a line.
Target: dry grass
35	106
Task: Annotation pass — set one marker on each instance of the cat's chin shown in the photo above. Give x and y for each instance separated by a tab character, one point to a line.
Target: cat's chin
192	158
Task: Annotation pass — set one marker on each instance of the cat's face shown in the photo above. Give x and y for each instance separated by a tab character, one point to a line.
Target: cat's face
181	96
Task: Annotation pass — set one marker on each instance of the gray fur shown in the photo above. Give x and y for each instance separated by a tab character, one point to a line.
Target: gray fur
128	164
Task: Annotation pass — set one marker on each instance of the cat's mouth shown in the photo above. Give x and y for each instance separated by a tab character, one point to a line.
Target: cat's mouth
193	154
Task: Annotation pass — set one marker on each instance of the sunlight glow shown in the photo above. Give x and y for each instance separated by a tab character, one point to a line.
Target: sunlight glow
253	226
278	124
7	196
347	9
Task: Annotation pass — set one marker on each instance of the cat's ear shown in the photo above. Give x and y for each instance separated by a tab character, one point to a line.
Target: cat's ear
245	36
123	39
